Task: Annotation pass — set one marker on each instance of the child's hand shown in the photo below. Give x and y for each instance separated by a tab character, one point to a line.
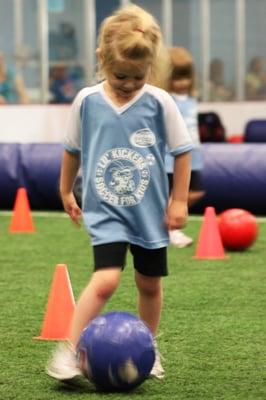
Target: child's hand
71	207
176	214
2	100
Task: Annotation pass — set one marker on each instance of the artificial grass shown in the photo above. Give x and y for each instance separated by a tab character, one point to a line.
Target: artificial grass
212	328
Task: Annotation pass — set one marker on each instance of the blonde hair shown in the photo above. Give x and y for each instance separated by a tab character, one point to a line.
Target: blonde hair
132	35
182	67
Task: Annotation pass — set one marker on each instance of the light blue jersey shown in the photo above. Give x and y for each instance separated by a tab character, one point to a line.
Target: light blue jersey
189	109
125	187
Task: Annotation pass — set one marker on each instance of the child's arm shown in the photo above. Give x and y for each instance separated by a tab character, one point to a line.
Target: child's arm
21	90
69	170
177	210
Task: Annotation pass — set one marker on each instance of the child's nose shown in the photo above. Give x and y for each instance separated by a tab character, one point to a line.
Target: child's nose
128	85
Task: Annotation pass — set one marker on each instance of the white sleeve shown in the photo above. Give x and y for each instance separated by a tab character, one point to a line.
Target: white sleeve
177	135
72	139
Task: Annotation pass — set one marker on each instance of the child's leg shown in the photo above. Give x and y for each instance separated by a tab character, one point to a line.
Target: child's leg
93	298
196	190
176	236
109	260
63	364
150	297
150	265
194	196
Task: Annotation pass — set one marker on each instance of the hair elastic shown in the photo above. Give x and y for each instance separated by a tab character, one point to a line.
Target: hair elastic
139	30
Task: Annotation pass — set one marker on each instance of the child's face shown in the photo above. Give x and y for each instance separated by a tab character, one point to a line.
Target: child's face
181	86
126	80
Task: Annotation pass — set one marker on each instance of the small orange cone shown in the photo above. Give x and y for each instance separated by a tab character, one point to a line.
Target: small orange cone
209	244
60	307
21	220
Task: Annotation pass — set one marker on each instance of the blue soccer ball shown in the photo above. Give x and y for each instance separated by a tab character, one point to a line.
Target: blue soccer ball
116	351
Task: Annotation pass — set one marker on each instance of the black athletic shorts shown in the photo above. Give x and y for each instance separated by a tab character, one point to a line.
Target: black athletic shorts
195	182
150	262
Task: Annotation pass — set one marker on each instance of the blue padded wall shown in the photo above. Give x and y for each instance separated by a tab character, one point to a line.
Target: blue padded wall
33	166
234	175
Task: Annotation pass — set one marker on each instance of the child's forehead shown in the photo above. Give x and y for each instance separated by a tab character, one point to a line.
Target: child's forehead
130	68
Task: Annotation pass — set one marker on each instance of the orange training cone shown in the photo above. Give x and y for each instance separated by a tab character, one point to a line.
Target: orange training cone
209	244
60	307
21	220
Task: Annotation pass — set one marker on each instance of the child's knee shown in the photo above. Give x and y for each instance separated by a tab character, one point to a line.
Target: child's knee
149	286
107	285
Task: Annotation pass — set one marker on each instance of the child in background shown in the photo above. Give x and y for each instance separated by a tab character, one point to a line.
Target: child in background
118	129
218	90
64	83
255	81
12	88
182	88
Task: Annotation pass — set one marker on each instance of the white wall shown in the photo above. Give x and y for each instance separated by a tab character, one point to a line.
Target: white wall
37	123
33	123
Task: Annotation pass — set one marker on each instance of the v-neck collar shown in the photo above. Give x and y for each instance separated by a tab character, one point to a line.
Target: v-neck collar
120	109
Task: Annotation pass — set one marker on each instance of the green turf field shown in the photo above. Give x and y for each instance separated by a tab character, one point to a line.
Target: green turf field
212	334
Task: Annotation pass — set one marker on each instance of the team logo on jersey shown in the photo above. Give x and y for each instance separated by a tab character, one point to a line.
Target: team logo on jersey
122	177
143	138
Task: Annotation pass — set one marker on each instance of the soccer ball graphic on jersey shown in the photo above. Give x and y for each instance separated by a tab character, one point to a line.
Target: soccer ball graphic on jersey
116	351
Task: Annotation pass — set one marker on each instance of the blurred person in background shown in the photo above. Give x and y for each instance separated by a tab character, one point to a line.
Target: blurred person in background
12	89
64	83
218	91
182	87
255	82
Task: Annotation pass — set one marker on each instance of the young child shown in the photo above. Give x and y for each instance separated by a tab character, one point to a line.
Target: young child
12	87
119	129
182	88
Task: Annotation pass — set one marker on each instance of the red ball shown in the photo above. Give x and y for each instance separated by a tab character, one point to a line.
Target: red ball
238	228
